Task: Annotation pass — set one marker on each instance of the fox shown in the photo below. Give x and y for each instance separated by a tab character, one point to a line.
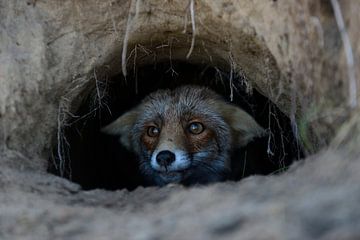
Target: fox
184	136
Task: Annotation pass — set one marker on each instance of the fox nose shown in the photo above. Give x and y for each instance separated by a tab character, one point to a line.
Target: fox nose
165	158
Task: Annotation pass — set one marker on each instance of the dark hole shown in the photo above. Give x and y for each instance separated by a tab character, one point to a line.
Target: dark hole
96	160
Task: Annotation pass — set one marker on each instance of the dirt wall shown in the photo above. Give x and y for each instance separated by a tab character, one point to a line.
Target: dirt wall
290	51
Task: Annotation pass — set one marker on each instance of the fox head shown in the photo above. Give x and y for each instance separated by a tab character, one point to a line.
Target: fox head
185	135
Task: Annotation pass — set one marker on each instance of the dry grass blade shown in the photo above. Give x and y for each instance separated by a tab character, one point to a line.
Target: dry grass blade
131	17
348	52
192	15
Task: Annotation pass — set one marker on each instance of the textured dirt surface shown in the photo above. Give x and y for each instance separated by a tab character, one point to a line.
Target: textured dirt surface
290	51
316	199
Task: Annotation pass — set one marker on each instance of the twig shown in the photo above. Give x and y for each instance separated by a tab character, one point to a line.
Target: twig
269	151
171	69
232	68
99	97
348	52
125	46
130	19
231	84
82	117
218	72
135	71
192	14
281	161
186	18
60	144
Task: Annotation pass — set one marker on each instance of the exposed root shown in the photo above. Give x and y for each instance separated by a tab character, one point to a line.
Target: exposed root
101	92
136	54
244	82
186	18
135	70
192	15
171	69
231	84
60	143
295	131
87	115
348	52
281	161
219	76
131	17
98	91
268	150
65	118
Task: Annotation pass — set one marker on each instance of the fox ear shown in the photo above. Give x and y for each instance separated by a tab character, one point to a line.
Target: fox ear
244	126
122	127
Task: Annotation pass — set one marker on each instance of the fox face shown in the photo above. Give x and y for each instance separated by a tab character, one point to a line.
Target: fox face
185	135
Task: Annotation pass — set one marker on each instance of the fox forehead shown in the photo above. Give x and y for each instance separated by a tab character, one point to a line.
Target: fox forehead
183	104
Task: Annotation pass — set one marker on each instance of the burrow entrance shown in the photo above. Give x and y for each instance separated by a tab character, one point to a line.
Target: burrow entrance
94	160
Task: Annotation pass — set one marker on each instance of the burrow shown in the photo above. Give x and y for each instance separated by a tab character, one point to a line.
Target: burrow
86	156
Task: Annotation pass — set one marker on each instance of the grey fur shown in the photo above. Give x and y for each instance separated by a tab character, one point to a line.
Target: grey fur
232	126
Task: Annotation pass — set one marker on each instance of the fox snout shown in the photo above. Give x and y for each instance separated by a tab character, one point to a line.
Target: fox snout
164	159
184	136
167	161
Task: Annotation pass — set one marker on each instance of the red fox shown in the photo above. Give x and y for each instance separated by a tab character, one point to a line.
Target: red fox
184	135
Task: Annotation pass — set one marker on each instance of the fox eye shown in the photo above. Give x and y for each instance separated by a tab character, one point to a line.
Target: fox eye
196	128
153	131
